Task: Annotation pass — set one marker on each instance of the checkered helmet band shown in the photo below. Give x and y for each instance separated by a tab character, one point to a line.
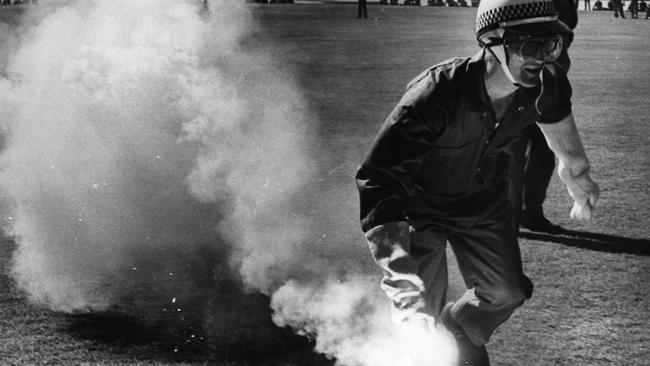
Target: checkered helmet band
497	13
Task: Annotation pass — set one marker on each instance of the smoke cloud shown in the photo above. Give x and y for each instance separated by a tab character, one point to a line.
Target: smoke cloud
149	140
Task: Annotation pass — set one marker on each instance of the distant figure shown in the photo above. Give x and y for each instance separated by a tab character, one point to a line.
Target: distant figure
618	8
598	5
587	5
634	9
643	6
363	9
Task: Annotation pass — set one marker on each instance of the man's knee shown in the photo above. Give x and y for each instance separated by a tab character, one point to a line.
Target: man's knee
480	311
506	298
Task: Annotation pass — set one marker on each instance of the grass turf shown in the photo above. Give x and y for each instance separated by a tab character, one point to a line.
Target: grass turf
590	305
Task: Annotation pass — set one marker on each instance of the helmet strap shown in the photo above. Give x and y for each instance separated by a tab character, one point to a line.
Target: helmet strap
499	52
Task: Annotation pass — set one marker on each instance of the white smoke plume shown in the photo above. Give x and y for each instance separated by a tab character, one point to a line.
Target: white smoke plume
349	321
98	101
139	135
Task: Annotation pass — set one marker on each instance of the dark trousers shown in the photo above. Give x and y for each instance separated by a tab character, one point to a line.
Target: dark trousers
490	262
533	163
634	9
363	9
618	8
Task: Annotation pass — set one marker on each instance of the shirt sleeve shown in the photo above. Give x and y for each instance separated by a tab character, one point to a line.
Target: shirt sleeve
385	178
560	91
390	245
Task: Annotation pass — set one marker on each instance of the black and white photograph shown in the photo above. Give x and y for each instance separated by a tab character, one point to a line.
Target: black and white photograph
325	183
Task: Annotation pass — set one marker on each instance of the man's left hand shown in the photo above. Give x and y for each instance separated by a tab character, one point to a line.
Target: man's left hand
585	192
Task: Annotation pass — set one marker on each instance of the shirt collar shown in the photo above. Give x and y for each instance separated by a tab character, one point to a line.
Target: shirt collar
475	85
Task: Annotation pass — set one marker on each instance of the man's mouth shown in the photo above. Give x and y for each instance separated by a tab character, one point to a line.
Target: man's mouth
533	70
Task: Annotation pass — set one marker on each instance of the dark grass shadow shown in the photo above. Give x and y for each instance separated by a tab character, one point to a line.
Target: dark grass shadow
114	328
593	241
242	331
128	335
242	334
284	349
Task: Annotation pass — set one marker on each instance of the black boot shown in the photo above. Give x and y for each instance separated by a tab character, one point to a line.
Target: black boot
538	223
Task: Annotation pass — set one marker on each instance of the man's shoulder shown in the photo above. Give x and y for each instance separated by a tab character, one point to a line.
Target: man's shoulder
441	82
433	73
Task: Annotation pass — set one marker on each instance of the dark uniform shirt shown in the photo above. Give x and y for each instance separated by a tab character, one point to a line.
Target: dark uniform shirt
439	158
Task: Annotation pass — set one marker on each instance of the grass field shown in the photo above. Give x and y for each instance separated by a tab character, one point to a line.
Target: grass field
591	303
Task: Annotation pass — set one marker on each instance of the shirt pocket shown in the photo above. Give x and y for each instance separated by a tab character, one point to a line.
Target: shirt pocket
450	170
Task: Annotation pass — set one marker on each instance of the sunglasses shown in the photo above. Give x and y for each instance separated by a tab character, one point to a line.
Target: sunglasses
549	47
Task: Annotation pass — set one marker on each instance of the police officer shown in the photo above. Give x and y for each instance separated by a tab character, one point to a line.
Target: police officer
437	172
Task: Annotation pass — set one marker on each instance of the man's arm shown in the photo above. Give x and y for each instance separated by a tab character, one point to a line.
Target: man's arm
573	168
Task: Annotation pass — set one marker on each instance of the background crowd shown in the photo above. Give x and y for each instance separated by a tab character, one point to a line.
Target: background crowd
618	6
17	2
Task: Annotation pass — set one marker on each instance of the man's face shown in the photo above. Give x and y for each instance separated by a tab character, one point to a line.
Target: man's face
527	56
